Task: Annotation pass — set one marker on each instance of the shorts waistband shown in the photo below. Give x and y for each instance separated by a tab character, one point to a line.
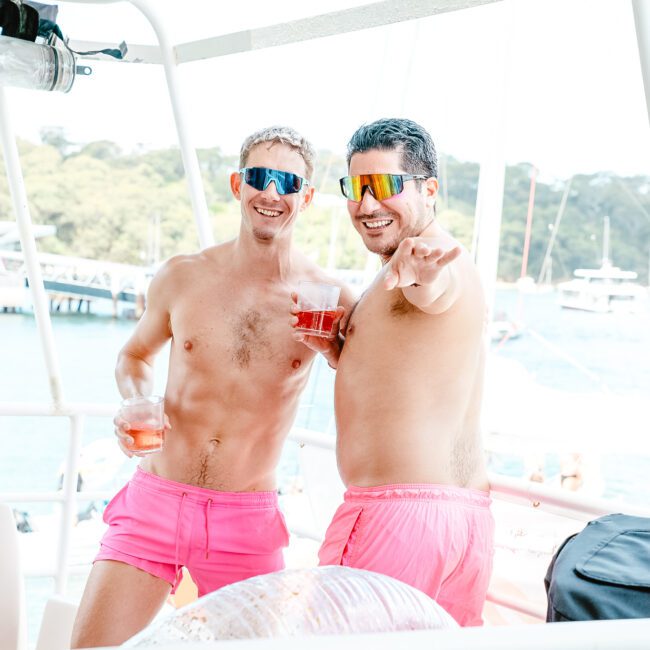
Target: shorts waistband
155	483
418	491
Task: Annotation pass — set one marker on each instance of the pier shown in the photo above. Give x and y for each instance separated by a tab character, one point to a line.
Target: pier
73	283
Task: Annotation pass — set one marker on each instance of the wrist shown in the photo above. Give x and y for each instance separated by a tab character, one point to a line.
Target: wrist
333	352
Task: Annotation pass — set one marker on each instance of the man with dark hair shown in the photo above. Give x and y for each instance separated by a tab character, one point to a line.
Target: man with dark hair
409	384
207	501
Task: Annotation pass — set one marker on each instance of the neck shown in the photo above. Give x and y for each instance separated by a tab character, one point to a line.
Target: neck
270	259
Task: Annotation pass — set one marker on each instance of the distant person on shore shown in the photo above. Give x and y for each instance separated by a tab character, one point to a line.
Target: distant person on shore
571	474
208	500
409	385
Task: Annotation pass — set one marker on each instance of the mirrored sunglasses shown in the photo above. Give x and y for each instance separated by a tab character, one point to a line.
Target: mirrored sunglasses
285	182
381	186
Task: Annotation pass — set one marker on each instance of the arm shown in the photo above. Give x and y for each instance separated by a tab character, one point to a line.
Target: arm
134	368
428	276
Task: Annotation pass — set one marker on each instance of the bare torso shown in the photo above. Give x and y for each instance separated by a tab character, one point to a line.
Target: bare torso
408	390
235	373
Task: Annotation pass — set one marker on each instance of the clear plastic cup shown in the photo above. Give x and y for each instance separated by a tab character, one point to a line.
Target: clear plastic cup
146	422
317	304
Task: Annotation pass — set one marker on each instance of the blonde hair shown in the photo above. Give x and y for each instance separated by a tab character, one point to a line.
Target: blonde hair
284	135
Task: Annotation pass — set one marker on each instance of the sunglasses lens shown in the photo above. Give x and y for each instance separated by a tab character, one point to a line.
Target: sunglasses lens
293	183
351	187
385	185
255	177
260	177
382	186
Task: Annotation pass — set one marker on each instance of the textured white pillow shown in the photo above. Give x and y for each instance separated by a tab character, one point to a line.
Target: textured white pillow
297	602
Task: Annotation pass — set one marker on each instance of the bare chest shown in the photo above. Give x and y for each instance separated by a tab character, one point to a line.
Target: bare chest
237	331
381	313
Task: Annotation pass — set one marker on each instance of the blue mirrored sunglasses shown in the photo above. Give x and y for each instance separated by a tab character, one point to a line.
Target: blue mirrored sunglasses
285	182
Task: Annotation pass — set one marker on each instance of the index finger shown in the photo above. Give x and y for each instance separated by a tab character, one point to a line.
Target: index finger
449	256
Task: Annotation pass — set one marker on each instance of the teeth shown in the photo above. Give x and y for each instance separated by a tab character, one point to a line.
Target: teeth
377	224
268	213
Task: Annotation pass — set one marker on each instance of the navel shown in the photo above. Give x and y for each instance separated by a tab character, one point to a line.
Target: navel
187	345
295	364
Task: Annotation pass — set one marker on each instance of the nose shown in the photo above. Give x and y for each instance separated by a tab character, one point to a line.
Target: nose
271	192
368	203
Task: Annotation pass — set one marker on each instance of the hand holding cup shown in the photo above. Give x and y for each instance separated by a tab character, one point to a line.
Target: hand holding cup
140	425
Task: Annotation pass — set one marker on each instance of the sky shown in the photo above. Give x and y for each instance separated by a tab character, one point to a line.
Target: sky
572	101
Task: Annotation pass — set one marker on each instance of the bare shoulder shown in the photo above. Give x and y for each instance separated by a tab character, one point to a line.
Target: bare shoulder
180	268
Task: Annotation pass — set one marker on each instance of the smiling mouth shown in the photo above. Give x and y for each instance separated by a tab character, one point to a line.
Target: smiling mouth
378	224
268	213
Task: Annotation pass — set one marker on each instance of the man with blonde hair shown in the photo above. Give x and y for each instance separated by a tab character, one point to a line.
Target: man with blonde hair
207	501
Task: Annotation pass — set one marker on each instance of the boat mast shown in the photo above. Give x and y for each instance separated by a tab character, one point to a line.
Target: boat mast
545	272
606	260
529	224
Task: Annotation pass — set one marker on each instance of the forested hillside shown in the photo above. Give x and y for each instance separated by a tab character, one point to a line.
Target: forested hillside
106	204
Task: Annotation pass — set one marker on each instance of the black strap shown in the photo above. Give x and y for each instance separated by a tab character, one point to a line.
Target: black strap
47	27
117	53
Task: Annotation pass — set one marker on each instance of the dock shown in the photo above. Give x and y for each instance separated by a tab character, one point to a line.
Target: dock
73	283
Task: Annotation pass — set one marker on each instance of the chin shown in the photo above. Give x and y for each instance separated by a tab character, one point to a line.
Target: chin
381	247
263	235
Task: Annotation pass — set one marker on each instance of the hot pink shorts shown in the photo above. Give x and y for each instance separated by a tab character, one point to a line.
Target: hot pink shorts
437	538
160	526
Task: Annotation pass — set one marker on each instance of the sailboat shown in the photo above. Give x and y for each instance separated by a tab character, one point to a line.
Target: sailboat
606	289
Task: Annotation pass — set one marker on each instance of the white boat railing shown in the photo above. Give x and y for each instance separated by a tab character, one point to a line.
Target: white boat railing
519	491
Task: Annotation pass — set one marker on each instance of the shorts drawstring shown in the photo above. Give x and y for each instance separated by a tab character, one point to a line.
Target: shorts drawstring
178	535
207	527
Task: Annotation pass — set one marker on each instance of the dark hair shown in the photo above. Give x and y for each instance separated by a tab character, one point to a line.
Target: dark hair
390	133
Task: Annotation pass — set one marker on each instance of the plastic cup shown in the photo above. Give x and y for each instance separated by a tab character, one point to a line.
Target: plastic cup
317	304
146	420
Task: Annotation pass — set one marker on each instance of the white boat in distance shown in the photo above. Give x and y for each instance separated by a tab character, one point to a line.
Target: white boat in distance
607	289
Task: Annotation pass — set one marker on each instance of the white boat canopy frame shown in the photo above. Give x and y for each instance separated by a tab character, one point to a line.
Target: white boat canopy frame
629	634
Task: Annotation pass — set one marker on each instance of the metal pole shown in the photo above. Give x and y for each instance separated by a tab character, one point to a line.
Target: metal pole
489	196
605	241
641	10
188	152
27	242
529	224
69	511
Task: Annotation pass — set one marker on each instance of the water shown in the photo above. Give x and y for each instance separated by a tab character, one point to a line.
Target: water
595	362
613	349
576	353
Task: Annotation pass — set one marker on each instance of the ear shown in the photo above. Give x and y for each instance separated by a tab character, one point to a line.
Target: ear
235	185
431	191
307	197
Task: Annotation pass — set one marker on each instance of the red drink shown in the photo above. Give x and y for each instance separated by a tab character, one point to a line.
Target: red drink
147	438
316	323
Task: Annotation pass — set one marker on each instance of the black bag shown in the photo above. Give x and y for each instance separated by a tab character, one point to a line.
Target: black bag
603	572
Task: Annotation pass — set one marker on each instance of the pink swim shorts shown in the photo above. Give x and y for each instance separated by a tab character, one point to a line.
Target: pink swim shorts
160	526
437	538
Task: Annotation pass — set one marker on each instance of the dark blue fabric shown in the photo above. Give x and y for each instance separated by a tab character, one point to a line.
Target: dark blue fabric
603	572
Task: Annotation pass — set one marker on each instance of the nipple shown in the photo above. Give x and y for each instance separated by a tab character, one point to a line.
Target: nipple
187	345
295	364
